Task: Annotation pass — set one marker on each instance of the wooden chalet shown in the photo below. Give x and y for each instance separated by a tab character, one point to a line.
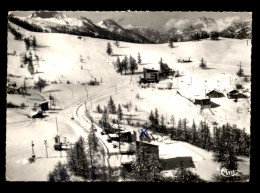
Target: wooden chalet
44	105
215	94
232	94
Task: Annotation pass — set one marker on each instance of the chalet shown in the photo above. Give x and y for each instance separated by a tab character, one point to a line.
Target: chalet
215	94
232	94
114	137
13	90
203	102
148	147
44	105
150	75
241	95
126	136
36	114
173	154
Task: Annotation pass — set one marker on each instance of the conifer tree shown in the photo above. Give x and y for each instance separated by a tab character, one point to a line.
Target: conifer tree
111	106
34	43
202	64
139	60
119	113
125	64
171	43
30	66
119	66
109	49
77	159
194	133
116	43
59	174
179	130
132	64
154	166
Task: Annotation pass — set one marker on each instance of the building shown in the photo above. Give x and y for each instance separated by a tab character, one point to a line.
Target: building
232	94
215	94
36	114
150	75
173	154
44	105
148	147
203	102
235	94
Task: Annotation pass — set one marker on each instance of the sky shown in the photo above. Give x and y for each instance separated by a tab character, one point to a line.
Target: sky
161	21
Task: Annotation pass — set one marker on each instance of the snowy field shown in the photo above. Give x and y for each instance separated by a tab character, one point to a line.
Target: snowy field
65	57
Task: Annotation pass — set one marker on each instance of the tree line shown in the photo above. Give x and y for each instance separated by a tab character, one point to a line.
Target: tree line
227	142
25	24
17	35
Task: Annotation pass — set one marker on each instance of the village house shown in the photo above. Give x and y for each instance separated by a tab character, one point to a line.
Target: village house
215	94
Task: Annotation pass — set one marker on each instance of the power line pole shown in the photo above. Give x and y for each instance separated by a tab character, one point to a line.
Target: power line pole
115	88
56	125
45	142
33	150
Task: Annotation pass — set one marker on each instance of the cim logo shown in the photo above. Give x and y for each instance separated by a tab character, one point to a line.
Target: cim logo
229	173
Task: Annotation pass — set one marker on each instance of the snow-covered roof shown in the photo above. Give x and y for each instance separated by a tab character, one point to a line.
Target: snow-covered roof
167	151
113	135
127	159
43	102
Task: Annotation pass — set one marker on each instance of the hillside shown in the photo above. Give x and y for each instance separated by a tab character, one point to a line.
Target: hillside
65	57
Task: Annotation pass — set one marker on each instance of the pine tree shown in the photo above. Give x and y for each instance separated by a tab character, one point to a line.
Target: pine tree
162	126
133	65
111	106
139	166
194	133
94	168
154	166
34	43
77	159
156	117
185	129
40	84
202	64
109	49
179	130
93	138
125	64
171	43
139	60
119	113
104	118
240	72
99	110
116	43
31	67
151	117
119	66
59	174
184	175
27	42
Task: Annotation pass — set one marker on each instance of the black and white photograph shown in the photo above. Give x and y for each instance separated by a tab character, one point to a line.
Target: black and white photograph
128	96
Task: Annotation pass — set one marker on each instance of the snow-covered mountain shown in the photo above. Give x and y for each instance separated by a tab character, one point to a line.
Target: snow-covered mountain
239	30
57	22
148	32
115	28
48	14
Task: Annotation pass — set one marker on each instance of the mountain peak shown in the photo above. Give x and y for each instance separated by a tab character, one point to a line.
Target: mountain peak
49	14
